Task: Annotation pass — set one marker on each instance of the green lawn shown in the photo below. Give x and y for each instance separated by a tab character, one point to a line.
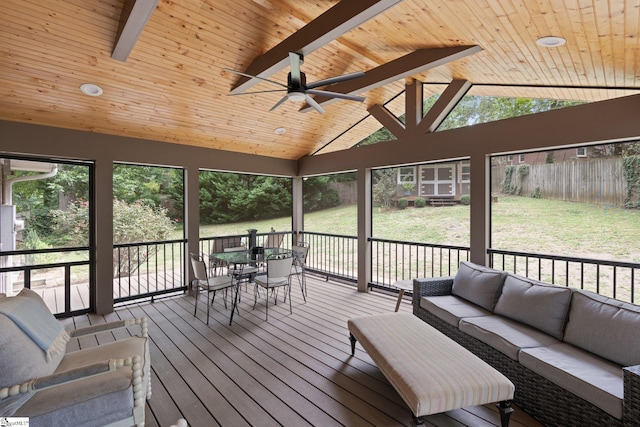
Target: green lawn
517	223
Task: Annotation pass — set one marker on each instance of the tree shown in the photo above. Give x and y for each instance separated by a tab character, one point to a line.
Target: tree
230	197
132	223
318	195
384	187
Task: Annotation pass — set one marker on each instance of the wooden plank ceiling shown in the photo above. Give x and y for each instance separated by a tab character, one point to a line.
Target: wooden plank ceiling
173	86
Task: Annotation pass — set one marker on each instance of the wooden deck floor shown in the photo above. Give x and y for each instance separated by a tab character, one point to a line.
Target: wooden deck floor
294	370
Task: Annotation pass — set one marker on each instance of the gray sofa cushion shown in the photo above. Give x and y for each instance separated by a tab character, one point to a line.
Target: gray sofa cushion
451	308
478	284
594	379
604	326
505	335
534	303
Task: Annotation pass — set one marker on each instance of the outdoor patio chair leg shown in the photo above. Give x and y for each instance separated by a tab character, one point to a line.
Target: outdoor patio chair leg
195	305
208	307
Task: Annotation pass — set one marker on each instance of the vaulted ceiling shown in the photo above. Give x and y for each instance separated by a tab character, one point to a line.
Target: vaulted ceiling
172	85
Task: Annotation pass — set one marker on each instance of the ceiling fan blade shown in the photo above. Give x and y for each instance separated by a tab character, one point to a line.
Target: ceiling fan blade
337	79
254	77
279	103
294	60
314	104
258	91
336	95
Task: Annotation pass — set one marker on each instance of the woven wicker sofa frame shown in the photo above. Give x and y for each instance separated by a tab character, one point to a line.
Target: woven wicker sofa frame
546	401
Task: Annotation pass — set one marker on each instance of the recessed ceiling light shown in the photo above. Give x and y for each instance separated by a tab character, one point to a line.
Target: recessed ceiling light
280	131
91	89
550	41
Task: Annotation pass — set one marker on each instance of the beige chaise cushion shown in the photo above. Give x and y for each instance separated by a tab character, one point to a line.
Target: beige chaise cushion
431	372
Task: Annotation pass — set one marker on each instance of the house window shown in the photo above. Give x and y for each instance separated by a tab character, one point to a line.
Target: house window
520	158
509	159
581	152
407	174
465	173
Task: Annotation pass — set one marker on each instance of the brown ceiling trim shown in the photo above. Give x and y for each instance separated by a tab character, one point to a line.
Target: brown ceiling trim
134	16
405	66
333	23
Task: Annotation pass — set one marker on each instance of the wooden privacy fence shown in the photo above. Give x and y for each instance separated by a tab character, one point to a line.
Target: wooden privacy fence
597	181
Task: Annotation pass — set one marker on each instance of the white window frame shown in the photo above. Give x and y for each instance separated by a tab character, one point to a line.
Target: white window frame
405	172
465	177
581	152
520	158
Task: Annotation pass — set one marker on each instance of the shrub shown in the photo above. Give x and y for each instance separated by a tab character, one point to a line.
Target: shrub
420	202
465	199
132	223
537	194
403	204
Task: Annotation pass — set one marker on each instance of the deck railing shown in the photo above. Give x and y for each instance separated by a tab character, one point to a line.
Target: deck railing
151	269
148	269
332	255
60	276
614	279
394	260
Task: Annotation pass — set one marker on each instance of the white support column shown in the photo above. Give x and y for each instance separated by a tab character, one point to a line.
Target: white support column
364	229
297	214
480	208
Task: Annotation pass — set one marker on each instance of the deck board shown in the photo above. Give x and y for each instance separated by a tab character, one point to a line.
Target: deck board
294	370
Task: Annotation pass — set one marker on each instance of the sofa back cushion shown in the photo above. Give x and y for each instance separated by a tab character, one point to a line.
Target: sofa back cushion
537	304
478	284
605	326
21	358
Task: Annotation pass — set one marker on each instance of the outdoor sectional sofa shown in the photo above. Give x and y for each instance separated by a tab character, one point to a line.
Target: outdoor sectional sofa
104	385
574	356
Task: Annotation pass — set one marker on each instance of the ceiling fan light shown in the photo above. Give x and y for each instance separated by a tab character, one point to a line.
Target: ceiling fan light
296	96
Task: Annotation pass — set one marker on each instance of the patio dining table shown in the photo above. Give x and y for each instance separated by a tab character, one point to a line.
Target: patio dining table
241	258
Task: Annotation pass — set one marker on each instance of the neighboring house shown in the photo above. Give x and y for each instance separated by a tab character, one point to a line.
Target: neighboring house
433	181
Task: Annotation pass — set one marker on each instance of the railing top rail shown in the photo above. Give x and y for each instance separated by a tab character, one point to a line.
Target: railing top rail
313	233
226	236
44	251
39	266
566	258
157	242
429	245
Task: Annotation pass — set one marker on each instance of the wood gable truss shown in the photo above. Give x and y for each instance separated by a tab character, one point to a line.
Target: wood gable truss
415	122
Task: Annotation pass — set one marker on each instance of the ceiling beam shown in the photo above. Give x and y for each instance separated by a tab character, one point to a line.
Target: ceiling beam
443	106
133	18
405	66
341	18
387	119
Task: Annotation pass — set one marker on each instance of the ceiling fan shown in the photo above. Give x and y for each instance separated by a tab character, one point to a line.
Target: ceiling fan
297	88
